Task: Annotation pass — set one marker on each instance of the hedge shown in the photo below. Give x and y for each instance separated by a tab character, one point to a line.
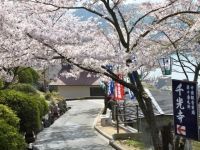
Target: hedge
9	116
28	75
22	87
10	139
1	83
26	108
25	76
41	103
33	94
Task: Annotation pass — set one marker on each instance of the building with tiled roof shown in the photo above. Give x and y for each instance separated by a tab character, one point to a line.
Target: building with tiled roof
86	85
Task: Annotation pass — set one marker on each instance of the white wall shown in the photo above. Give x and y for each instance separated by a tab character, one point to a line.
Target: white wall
74	91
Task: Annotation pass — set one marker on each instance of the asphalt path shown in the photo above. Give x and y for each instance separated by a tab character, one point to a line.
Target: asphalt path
75	129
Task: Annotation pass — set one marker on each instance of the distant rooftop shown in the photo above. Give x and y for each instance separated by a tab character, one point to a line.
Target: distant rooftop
85	78
164	100
164	83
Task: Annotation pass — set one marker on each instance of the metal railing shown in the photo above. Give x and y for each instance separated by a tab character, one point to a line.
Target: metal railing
126	115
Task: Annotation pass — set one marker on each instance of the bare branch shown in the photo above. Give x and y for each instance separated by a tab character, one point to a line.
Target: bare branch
58	18
177	13
174	45
65	7
125	27
148	13
187	60
160	21
116	23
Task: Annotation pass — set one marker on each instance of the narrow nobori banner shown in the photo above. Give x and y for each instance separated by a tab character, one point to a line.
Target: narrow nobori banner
111	88
185	107
119	89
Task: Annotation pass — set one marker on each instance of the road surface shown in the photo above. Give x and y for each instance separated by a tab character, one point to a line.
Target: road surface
74	130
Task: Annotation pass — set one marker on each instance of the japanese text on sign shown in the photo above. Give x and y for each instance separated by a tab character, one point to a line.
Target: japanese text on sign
179	103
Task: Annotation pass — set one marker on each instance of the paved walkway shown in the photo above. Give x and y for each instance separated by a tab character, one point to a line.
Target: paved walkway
74	130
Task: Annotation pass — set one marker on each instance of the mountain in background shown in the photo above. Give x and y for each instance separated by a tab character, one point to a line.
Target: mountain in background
125	8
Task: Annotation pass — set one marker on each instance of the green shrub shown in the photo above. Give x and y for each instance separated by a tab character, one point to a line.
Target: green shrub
33	95
41	103
48	96
35	75
54	97
28	75
26	88
26	108
1	84
9	116
10	139
25	76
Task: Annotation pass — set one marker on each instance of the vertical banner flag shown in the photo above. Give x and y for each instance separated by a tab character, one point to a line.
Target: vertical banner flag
131	94
119	90
185	109
111	87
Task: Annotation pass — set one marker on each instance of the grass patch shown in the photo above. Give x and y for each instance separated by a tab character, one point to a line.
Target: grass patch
134	143
195	145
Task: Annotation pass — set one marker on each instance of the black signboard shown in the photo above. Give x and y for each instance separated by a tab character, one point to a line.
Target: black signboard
185	109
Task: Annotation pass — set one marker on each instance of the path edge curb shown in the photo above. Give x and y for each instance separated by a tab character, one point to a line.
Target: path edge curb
111	140
99	130
103	133
116	146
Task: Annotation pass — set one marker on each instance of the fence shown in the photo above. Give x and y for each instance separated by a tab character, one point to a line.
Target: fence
127	115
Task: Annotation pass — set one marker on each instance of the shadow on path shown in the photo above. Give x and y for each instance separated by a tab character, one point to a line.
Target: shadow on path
73	130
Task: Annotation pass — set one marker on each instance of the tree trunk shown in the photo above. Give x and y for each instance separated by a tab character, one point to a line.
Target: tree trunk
167	137
145	105
196	73
151	121
180	143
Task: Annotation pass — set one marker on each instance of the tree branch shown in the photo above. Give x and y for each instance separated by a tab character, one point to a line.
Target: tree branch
65	7
125	27
160	21
174	45
177	13
148	13
116	23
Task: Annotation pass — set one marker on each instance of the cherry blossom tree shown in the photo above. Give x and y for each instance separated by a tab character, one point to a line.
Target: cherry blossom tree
187	52
39	32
